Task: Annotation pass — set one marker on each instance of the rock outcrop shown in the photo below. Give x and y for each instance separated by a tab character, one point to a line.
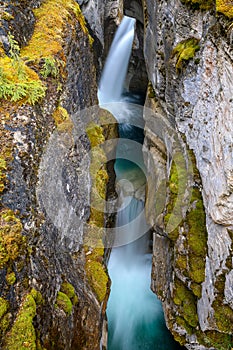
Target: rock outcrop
53	286
189	63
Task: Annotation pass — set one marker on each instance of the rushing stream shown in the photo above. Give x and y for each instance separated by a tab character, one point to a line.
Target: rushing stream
135	315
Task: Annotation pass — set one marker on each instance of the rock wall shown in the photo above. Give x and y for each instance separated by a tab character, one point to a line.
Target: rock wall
188	57
51	297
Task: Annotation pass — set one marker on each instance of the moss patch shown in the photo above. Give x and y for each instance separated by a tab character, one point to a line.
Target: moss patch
184	51
4	305
11	239
11	278
215	339
47	38
202	4
223	315
97	277
96	272
63	302
19	82
177	185
22	334
69	290
225	7
186	301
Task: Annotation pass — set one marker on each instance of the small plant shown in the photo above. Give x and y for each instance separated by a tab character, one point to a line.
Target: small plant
50	68
14	48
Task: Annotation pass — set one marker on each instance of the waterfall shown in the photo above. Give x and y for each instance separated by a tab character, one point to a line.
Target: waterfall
135	316
115	69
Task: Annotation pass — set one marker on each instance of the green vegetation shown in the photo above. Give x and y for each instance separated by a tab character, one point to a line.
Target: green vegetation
95	270
97	277
3	168
18	82
11	239
219	341
50	68
22	335
225	7
223	315
202	4
4	305
62	120
11	278
185	50
47	38
185	299
63	302
69	290
177	185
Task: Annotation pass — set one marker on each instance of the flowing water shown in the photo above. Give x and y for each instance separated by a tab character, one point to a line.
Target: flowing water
135	315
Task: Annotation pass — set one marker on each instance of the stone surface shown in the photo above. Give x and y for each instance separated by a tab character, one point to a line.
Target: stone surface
46	170
197	98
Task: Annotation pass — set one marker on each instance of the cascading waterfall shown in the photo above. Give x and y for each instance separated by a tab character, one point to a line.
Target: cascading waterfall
135	316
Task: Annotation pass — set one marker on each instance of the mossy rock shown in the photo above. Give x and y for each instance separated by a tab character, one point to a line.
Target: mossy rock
63	302
11	240
22	334
4	306
219	341
185	50
225	7
69	290
97	277
11	278
3	168
200	4
186	301
19	82
223	315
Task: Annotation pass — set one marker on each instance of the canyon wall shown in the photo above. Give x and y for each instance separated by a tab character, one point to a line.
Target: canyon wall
188	54
53	285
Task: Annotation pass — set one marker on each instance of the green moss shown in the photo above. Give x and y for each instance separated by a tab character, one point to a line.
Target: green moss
177	185
11	239
197	236
196	289
62	120
4	324
11	278
225	7
186	301
219	341
37	296
95	270
22	335
95	134
185	50
69	290
47	38
223	315
197	268
63	302
202	4
3	168
182	323
181	262
98	278
4	305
